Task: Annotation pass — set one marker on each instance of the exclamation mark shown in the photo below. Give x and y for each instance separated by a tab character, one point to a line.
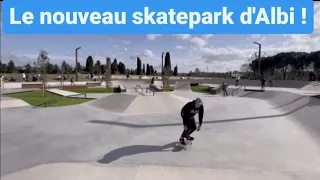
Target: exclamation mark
304	15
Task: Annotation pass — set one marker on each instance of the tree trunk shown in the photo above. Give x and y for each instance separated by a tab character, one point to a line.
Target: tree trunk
43	76
284	71
42	88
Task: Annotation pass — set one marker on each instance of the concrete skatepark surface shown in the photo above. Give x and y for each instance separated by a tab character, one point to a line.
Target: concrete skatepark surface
269	135
8	102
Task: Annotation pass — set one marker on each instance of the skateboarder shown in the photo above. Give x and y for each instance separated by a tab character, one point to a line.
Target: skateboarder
263	83
187	113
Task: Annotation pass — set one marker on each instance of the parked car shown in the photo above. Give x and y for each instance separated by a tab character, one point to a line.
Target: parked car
95	78
143	77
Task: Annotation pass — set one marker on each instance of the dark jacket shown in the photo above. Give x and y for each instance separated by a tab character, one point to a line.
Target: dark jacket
189	110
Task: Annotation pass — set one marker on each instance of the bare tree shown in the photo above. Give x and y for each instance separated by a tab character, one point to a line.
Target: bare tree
245	68
42	62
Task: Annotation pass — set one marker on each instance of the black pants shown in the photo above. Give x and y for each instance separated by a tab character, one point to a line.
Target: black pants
190	123
225	92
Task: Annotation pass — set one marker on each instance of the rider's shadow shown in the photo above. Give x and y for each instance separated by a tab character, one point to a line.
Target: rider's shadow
138	149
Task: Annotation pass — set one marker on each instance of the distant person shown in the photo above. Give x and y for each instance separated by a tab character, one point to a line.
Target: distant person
152	81
34	78
263	83
12	79
72	81
311	76
27	77
270	82
23	77
189	124
1	81
224	89
237	80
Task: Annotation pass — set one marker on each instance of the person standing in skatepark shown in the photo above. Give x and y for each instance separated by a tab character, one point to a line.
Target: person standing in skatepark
187	113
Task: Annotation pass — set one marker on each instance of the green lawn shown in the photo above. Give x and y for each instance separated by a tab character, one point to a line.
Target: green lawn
200	89
35	98
170	88
96	90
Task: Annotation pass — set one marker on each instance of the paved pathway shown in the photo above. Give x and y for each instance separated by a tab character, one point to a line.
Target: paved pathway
63	92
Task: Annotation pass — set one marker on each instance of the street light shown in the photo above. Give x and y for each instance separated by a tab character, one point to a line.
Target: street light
77	63
259	57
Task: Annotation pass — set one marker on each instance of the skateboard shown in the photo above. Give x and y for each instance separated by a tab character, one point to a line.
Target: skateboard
185	147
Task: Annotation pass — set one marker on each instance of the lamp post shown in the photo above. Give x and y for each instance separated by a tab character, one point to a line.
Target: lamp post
259	57
77	63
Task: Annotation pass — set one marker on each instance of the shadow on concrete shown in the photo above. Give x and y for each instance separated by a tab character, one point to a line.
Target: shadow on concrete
131	125
254	90
288	103
247	94
138	149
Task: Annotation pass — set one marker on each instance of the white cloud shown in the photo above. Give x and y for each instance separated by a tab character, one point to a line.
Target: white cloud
224	54
126	42
182	36
198	42
153	36
206	36
257	38
115	46
179	47
125	49
147	53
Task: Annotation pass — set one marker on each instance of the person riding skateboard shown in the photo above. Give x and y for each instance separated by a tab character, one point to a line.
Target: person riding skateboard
187	113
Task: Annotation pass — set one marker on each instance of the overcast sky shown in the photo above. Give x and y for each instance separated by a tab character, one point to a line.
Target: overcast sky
217	52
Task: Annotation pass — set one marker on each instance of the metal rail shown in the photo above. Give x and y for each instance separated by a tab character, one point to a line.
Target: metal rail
236	90
149	89
140	88
48	103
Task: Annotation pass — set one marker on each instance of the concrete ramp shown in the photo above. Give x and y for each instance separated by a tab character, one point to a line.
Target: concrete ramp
302	109
128	104
182	86
157	86
63	92
12	103
314	86
87	171
158	83
129	84
242	138
161	103
117	103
